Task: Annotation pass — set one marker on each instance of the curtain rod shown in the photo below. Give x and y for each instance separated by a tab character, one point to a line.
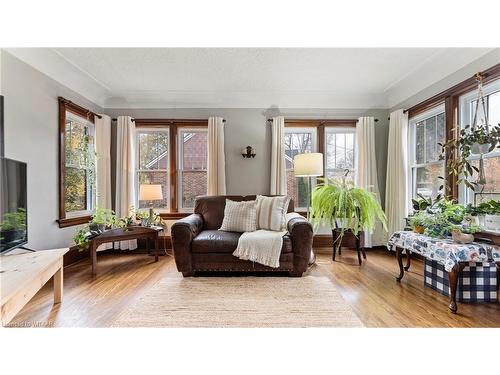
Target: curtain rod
66	101
133	119
270	120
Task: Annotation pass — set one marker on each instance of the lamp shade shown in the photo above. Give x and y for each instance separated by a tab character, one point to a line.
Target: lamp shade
309	164
150	193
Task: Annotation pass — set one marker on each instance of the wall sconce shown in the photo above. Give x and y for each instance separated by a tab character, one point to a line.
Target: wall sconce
248	152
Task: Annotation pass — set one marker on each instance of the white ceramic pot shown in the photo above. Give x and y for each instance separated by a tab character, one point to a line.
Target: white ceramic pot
480	148
492	222
479	220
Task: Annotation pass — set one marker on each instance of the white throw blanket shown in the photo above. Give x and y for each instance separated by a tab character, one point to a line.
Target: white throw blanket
262	246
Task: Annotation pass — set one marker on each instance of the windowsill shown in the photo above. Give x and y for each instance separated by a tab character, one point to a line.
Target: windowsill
72	221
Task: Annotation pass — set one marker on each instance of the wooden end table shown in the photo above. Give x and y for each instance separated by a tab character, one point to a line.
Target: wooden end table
119	234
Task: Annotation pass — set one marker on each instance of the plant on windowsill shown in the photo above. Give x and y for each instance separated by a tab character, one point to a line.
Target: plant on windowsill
345	207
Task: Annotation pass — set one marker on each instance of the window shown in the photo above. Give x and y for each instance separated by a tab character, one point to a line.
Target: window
298	141
153	164
339	151
77	174
193	151
426	131
173	154
334	138
491	160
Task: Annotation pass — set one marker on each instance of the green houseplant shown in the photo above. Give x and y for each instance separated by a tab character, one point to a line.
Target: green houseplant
345	207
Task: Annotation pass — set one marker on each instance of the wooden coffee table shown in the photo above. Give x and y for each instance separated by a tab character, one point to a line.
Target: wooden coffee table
117	235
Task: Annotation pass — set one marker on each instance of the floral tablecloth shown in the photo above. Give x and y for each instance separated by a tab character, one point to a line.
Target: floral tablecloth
444	250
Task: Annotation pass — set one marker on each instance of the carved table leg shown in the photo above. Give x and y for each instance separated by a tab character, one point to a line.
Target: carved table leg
399	257
408	260
453	279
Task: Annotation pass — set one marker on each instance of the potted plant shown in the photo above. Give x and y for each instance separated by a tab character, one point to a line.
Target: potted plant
345	207
81	238
417	221
101	219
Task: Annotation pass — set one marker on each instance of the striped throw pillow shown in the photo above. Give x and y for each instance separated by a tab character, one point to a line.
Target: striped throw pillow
240	216
271	212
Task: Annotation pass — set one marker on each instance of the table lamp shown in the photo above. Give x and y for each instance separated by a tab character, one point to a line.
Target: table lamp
150	193
308	165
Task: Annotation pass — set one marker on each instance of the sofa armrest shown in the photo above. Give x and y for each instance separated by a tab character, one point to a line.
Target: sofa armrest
301	234
183	231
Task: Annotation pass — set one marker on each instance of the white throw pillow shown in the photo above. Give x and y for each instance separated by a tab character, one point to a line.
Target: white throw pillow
271	212
240	216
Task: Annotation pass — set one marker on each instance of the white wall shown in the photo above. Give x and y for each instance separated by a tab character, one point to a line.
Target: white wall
31	135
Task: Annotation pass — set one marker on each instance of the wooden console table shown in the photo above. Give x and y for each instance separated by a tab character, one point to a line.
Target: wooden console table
452	255
23	275
117	235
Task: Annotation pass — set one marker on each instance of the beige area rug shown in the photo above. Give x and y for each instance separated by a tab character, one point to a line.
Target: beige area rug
309	301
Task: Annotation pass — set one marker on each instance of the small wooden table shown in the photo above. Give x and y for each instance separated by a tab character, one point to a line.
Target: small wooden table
23	275
117	235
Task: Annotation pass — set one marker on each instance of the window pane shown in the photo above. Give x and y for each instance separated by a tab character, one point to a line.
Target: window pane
427	182
194	183
297	189
75	189
420	142
194	156
153	150
296	143
193	166
440	129
156	178
80	165
430	140
494	108
339	150
491	169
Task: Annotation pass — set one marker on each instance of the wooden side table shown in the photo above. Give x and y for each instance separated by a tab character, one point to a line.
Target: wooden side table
117	235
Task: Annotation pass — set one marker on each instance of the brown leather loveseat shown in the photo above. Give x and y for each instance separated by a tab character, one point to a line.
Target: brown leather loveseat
199	246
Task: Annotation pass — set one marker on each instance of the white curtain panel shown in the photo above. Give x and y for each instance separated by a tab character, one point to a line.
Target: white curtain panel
103	165
125	173
366	176
216	165
278	171
396	198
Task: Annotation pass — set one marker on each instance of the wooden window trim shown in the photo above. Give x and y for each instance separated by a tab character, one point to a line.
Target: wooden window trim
68	106
450	97
173	125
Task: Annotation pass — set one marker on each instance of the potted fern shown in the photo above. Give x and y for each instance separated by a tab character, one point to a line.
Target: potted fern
345	207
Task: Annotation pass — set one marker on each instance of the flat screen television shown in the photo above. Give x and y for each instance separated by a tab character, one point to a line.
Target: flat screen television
13	204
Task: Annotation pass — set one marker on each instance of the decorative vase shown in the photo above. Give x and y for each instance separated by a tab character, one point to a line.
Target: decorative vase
480	220
460	237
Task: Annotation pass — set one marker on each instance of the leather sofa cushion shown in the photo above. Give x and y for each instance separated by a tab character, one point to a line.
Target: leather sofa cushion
211	208
218	241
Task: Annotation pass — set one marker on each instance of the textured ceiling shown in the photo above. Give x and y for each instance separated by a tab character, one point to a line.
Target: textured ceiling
245	77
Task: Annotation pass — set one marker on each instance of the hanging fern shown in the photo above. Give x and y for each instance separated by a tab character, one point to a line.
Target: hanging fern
345	206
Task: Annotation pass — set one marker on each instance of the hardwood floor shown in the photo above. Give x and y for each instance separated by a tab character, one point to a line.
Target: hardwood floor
371	290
